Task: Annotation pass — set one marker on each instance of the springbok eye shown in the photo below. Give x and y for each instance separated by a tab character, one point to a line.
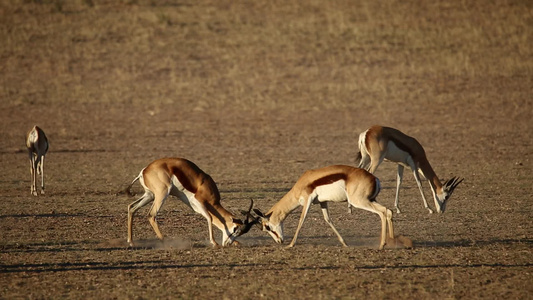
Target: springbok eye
267	228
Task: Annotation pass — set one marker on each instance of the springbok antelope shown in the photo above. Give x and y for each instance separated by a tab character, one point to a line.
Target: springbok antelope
379	143
336	183
37	145
182	178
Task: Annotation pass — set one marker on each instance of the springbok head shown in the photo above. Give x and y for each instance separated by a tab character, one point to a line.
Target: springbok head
447	189
275	230
243	227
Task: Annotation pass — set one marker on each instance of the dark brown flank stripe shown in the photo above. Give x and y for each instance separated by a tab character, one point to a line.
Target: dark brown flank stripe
402	146
184	179
327	180
201	185
375	132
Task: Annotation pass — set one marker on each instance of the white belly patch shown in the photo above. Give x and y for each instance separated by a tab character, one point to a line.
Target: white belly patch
185	195
335	192
395	154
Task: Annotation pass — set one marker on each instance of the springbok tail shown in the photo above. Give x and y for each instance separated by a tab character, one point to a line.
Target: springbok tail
127	189
376	190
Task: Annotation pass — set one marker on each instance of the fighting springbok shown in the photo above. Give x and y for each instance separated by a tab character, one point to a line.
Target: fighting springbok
37	145
182	178
336	183
379	143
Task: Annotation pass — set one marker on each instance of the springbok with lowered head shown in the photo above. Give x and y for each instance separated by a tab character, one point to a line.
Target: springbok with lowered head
37	145
378	143
336	183
182	178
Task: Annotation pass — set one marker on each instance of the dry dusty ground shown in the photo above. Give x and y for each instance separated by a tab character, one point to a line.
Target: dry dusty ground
256	93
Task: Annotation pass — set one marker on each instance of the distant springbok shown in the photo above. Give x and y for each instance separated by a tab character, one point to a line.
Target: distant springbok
330	184
379	143
37	145
182	178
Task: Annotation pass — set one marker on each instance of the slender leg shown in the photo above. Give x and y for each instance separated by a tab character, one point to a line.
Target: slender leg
42	174
132	208
325	212
383	231
399	177
375	162
34	175
385	216
156	206
32	184
389	222
417	178
210	229
300	223
204	212
382	211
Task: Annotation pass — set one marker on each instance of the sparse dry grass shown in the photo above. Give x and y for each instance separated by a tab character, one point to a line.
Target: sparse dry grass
258	55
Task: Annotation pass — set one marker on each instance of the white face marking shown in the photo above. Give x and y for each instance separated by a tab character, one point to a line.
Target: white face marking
335	192
229	239
439	201
275	231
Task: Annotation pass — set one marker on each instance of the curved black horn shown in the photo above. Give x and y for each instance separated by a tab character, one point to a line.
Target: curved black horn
251	205
247	212
247	224
448	182
452	183
259	213
456	182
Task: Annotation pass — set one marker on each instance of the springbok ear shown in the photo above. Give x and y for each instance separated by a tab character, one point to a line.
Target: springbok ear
262	215
259	213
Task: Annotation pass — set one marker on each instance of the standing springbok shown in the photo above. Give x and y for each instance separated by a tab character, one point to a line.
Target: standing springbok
379	143
182	178
37	145
336	183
